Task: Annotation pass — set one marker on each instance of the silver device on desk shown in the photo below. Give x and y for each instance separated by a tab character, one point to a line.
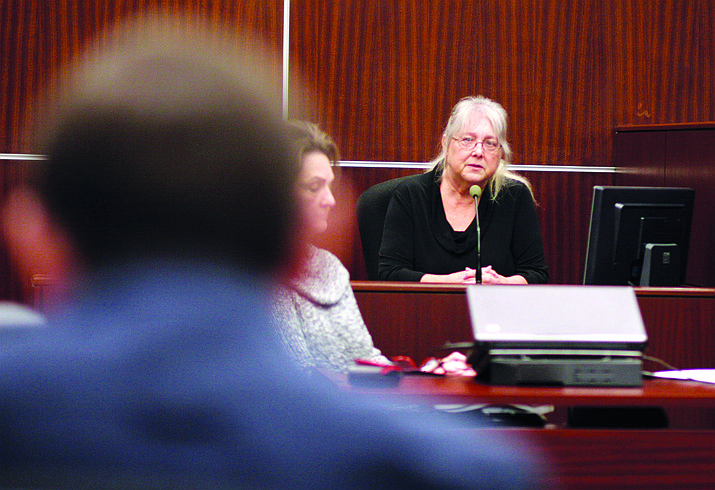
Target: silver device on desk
557	335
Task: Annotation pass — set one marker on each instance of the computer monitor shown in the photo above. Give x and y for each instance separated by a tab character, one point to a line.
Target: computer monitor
639	236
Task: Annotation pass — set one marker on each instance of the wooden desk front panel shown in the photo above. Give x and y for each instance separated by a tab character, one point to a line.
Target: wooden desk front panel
633	459
681	329
415	319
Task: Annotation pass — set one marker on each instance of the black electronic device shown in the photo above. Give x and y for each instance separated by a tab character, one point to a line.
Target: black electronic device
639	236
557	335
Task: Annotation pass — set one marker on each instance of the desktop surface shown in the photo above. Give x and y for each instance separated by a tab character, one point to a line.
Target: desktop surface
461	389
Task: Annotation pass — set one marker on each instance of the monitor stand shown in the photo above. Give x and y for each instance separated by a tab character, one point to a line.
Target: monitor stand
661	265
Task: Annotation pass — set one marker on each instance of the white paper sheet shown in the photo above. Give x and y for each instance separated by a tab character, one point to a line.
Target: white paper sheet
703	375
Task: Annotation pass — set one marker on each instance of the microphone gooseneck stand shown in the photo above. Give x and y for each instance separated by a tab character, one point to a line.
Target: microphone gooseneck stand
476	192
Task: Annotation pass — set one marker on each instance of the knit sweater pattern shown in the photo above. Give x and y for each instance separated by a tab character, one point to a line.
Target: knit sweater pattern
318	318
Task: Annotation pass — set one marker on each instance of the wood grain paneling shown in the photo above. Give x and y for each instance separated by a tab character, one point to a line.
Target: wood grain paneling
680	332
414	322
385	74
564	214
634	459
20	68
691	163
39	38
660	61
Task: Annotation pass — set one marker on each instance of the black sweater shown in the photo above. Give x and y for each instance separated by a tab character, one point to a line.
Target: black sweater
418	240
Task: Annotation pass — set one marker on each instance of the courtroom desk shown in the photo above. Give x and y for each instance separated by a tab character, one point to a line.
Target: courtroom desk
588	458
415	319
463	389
688	404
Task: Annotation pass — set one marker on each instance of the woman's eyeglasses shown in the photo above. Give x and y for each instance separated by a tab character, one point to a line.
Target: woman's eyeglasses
469	143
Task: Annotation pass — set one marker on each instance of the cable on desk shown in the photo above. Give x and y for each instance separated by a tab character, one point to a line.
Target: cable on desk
658	361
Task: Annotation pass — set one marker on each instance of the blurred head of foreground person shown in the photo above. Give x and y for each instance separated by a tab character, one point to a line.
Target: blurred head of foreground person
155	149
165	205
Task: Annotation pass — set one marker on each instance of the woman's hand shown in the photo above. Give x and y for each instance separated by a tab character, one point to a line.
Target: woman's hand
454	364
467	276
490	276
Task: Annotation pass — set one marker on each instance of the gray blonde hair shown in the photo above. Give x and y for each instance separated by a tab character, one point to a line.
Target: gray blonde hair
497	116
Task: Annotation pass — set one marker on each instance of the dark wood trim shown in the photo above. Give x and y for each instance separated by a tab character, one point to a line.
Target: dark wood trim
417	287
666	127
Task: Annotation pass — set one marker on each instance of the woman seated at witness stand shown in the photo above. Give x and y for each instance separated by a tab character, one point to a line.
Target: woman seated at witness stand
430	232
317	314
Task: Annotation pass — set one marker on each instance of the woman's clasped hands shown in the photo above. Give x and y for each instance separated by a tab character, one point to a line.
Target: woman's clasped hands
469	276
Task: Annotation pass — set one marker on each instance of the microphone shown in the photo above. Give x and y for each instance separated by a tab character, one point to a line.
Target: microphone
476	192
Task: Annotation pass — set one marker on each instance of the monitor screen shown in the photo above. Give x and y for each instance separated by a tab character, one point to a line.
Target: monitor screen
639	236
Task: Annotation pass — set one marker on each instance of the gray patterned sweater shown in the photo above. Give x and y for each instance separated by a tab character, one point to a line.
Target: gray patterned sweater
318	317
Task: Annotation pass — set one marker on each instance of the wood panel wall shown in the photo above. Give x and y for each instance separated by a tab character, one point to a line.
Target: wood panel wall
385	74
382	76
39	38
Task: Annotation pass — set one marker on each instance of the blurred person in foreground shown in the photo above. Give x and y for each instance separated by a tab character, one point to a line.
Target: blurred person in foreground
431	232
316	312
164	209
